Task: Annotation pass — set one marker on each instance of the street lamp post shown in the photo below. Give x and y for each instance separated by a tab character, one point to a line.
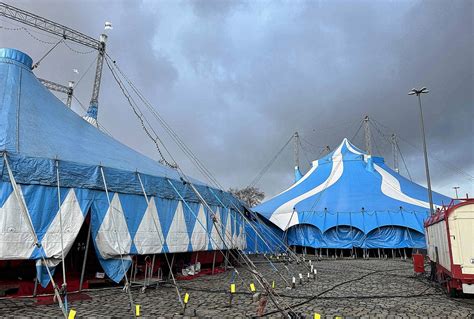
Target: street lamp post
416	92
456	190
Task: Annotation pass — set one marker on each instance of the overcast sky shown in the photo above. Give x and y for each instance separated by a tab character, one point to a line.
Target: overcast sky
236	79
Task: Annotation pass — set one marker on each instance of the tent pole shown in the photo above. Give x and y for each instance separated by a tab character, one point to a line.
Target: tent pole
171	267
26	215
213	262
84	260
152	267
226	259
36	287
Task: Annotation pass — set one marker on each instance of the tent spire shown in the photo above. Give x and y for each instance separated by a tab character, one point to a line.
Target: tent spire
393	141
296	140
296	149
93	109
368	142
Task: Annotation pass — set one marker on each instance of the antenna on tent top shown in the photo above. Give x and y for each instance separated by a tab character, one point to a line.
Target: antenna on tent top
393	141
368	142
296	149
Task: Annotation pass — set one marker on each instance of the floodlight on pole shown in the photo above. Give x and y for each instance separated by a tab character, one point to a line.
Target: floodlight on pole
456	191
418	93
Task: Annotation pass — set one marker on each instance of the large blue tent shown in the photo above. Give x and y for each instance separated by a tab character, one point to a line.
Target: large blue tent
351	199
56	169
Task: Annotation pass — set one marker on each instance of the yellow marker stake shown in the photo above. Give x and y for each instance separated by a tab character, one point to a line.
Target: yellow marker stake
232	288
317	316
273	284
72	314
186	298
252	287
137	310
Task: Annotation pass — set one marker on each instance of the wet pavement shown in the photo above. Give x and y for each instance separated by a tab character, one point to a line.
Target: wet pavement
374	288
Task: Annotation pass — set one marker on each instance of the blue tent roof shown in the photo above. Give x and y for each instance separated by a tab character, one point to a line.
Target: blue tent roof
35	123
36	129
349	187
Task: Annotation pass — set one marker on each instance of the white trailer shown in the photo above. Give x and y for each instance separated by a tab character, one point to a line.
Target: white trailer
450	242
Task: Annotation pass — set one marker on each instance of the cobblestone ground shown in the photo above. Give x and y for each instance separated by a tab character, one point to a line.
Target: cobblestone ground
343	287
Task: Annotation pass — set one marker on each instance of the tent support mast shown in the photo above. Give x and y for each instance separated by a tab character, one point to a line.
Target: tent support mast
94	103
65	33
393	141
368	142
213	262
296	149
84	260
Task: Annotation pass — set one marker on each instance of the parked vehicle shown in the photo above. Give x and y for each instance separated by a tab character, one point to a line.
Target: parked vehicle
450	242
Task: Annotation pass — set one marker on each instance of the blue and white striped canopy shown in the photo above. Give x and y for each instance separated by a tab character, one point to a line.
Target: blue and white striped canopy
54	163
349	188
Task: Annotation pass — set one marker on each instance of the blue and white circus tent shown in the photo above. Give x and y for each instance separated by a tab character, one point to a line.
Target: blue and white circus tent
351	199
56	169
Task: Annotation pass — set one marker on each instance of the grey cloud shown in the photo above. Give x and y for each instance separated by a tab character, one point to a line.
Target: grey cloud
236	79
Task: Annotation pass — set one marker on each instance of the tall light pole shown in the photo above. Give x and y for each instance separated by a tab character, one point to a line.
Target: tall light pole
416	92
456	190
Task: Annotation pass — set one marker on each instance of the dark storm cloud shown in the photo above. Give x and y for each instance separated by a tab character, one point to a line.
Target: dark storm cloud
236	79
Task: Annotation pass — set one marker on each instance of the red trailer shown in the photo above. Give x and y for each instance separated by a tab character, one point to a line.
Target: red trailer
450	242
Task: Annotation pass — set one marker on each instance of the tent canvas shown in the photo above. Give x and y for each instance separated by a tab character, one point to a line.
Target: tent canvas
62	164
351	199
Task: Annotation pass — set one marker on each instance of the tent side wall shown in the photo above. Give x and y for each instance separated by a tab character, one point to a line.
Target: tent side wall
347	237
263	237
128	226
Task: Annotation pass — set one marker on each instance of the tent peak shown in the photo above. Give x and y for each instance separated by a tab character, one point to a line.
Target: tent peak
17	56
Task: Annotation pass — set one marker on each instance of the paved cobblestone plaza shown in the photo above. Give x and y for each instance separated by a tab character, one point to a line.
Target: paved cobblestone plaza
343	287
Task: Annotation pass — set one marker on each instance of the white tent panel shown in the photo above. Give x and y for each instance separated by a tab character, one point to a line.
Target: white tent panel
178	238
113	237
16	239
200	237
229	240
149	238
72	219
216	232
